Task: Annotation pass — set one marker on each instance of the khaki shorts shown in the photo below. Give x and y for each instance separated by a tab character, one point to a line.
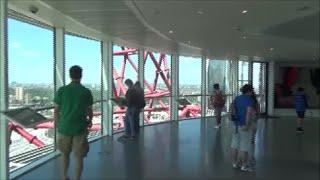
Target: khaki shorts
79	144
241	140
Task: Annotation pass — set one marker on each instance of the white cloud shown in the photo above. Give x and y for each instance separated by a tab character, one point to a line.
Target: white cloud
16	45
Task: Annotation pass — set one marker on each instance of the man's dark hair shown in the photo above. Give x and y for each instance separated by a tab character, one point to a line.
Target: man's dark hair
300	88
75	72
246	88
216	86
128	82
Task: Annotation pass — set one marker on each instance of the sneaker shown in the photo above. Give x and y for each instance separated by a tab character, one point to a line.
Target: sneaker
299	130
236	166
217	126
246	169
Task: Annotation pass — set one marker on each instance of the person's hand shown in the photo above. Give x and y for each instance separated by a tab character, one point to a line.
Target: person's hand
89	124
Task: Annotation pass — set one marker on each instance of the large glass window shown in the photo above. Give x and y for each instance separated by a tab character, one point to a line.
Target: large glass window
157	87
125	66
189	87
259	83
30	84
87	54
219	73
243	73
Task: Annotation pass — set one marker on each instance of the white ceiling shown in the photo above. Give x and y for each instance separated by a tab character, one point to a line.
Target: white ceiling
290	27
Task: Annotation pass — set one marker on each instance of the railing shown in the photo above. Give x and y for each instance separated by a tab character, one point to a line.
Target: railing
18	160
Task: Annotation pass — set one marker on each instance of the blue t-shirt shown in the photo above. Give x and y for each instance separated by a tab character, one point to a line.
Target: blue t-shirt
242	102
300	101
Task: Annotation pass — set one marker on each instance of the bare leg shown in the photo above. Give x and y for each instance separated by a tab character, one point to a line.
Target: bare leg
300	122
65	165
78	167
234	154
244	158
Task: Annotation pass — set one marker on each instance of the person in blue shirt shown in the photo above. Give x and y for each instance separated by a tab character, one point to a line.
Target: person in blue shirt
300	105
243	111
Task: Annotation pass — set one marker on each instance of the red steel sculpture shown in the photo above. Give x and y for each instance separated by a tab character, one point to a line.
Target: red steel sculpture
152	95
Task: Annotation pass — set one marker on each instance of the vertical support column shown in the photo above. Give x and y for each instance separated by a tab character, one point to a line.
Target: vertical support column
59	67
106	89
236	79
175	87
4	139
270	99
203	85
234	74
59	58
141	79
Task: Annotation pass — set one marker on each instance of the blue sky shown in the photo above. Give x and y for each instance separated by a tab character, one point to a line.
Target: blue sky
31	58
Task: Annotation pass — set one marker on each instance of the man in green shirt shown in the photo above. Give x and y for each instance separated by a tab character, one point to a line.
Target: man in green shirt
73	115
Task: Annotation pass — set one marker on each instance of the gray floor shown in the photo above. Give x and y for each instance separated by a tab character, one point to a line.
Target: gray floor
193	149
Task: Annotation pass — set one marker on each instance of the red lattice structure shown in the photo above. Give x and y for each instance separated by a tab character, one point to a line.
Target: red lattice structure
152	94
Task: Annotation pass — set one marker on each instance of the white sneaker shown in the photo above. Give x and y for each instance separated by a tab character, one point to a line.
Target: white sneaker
246	169
217	126
236	166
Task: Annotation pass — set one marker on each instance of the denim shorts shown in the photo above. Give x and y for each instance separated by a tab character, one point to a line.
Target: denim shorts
300	114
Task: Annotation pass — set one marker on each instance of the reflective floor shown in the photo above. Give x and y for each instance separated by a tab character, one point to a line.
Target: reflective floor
193	149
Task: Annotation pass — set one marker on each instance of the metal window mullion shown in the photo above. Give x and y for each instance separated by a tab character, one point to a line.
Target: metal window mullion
4	136
59	58
203	85
175	87
59	66
270	99
141	79
250	71
107	78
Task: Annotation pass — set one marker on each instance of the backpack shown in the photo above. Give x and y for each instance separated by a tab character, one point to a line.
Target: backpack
142	103
218	100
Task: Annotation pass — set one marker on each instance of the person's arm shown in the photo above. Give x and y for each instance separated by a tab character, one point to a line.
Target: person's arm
90	116
305	101
56	114
249	113
57	103
89	110
258	109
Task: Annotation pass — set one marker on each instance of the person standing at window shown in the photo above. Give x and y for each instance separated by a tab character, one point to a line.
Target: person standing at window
73	116
132	110
218	102
300	105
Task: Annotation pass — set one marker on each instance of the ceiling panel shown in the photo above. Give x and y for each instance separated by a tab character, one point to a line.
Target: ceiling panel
218	27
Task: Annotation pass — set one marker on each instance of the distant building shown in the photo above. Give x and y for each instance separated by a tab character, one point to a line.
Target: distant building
19	93
27	98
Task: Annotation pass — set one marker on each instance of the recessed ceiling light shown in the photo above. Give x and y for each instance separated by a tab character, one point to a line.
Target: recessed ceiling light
244	37
271	49
244	11
199	12
170	31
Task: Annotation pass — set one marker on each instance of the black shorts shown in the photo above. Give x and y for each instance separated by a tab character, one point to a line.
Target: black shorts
300	114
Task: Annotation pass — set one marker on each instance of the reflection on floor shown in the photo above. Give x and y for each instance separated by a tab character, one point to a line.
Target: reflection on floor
193	149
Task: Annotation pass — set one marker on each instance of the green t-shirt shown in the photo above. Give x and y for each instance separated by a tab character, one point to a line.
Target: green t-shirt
73	101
